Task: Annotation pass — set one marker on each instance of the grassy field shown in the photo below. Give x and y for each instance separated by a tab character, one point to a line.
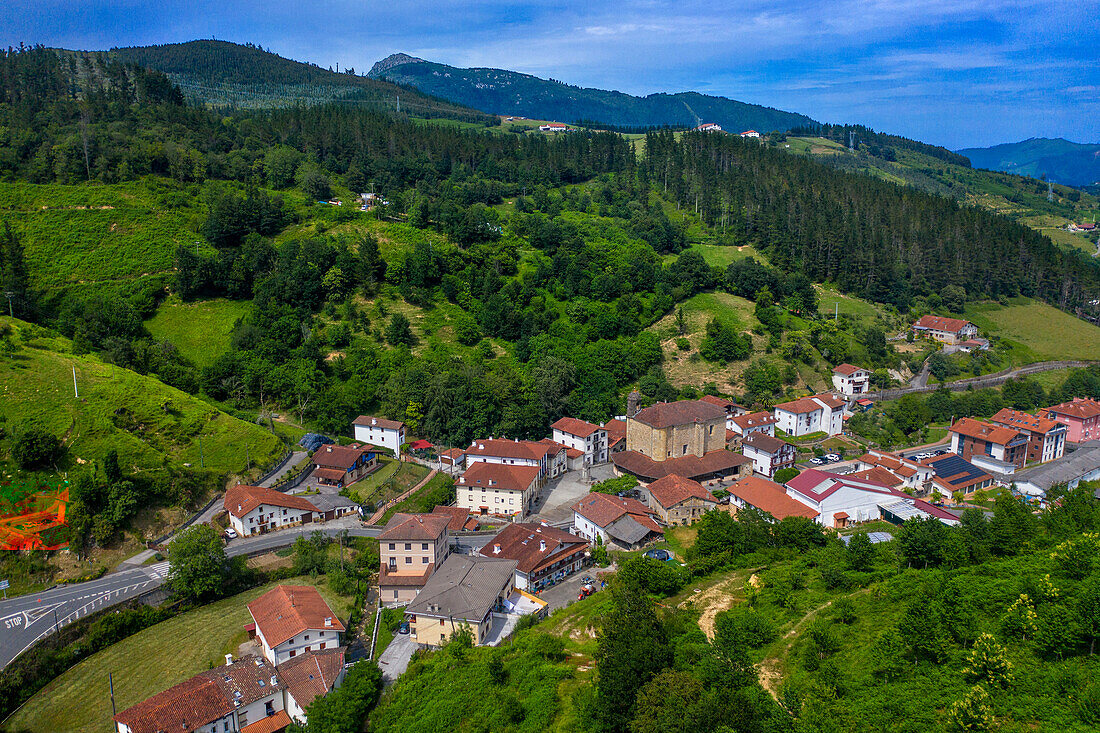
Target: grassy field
148	662
199	330
830	301
718	255
1048	333
91	233
414	503
147	422
392	479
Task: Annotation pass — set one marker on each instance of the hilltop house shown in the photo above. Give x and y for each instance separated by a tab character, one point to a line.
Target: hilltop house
767	453
388	434
750	133
687	438
292	619
590	439
679	501
554	127
498	489
820	413
544	555
989	446
851	380
708	127
615	521
1081	416
1046	438
343	465
946	330
410	548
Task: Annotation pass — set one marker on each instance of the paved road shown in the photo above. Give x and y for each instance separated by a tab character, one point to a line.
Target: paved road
986	380
26	620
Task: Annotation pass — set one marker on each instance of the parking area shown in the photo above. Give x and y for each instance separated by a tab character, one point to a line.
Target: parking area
566	592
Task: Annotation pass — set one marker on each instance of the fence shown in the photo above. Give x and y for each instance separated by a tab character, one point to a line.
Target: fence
296	480
278	466
986	380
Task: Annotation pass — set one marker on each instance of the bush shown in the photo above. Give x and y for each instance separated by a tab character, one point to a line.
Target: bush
784	475
35	448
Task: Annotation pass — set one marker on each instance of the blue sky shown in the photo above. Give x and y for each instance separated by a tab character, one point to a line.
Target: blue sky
952	72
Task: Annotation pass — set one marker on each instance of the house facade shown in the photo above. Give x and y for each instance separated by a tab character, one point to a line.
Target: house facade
679	501
377	431
945	330
461	595
544	555
1081	416
410	548
821	413
256	510
767	453
615	521
1046	438
498	489
590	439
293	619
515	453
343	465
850	380
977	440
753	422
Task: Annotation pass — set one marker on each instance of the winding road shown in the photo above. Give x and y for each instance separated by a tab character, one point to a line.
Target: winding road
986	380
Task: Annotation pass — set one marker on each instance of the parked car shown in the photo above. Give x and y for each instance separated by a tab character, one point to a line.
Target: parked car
834	457
816	461
230	533
403	627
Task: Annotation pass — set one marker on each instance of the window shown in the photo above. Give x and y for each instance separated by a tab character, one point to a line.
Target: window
988	448
710	430
424	560
424	546
292	652
408	545
393	563
408	560
395	595
393	546
307	637
685	449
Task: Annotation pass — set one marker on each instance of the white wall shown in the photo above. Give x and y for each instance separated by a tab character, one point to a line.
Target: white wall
586	529
379	436
281	516
499	501
761	461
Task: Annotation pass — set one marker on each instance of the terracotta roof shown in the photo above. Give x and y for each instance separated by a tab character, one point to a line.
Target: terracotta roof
573	426
453	455
770	497
331	474
532	546
847	369
818	485
672	490
402	578
979	430
241	499
615	429
800	406
378	422
269	724
497	448
312	674
571	452
1081	408
499	476
900	466
648	469
762	442
415	527
667	414
719	401
339	456
603	509
878	474
754	420
203	698
1024	421
938	323
459	518
288	610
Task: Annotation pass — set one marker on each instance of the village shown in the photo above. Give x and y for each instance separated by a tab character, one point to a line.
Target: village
532	522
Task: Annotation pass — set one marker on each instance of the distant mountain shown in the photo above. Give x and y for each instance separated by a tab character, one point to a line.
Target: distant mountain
1062	161
219	73
502	92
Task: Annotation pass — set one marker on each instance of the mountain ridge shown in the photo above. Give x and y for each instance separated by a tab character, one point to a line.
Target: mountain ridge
1060	160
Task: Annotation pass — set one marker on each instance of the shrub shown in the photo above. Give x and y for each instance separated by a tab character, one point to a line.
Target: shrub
35	448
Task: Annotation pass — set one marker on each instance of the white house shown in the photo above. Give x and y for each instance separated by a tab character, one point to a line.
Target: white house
910	474
583	436
851	380
750	133
615	521
753	422
493	488
513	453
768	453
842	500
292	619
945	330
708	127
256	510
388	434
554	127
821	413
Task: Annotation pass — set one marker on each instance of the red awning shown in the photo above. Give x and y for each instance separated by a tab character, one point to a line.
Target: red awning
421	445
250	627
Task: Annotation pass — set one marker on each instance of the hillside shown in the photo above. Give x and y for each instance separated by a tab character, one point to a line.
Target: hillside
223	74
503	92
1062	161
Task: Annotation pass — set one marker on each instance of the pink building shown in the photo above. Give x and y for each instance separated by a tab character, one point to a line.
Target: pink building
1081	416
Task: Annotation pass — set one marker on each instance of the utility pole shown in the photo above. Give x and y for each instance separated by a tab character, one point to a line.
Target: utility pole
56	629
76	392
836	311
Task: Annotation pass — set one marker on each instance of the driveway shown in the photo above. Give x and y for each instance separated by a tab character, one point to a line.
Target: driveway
565	592
395	659
557	497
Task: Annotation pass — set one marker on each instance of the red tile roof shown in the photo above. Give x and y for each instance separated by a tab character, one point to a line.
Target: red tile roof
573	426
847	369
499	476
330	474
818	485
672	490
287	610
459	518
1081	408
453	455
938	323
342	457
378	422
667	414
558	447
603	509
269	724
312	674
719	401
979	430
754	420
766	443
241	499
615	429
415	527
646	468
809	404
878	474
1024	421
515	449
770	497
533	546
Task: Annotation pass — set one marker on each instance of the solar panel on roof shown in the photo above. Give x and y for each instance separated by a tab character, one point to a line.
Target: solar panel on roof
955	466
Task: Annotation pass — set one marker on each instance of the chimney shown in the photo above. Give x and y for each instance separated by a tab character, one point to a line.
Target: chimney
274	681
496	549
292	600
229	659
542	545
328	622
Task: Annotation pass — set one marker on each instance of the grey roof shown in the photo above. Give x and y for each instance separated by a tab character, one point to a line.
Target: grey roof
626	530
464	587
1069	467
875	537
328	502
